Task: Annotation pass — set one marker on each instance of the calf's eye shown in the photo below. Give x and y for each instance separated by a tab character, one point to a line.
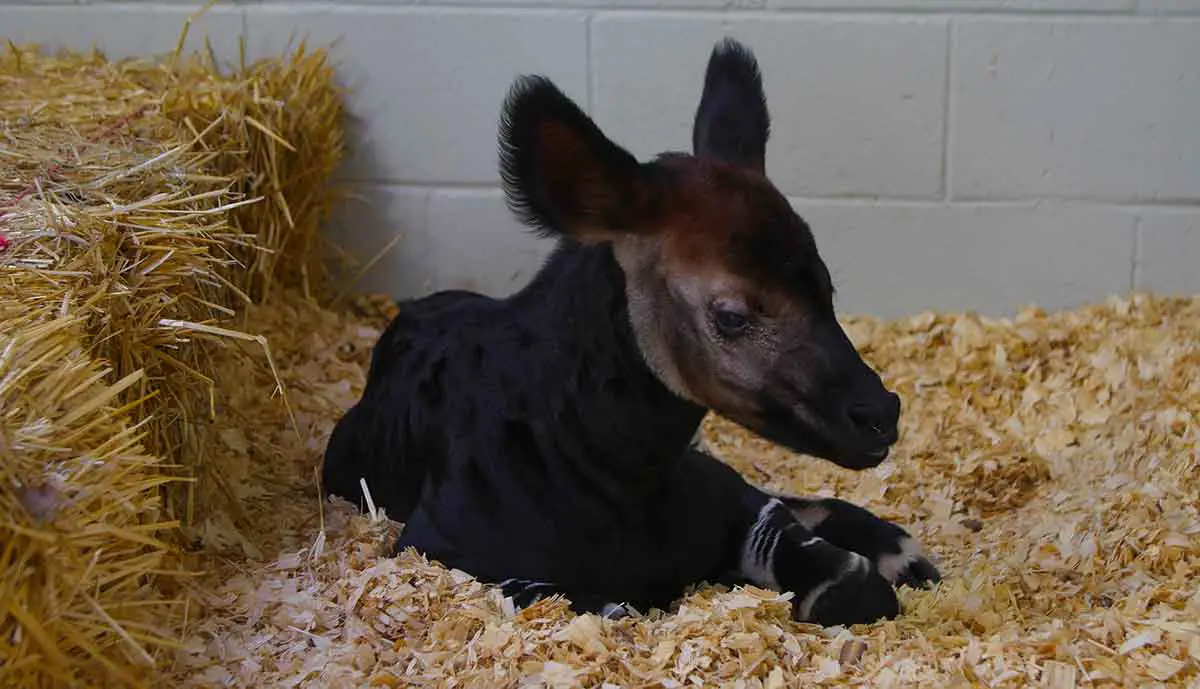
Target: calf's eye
731	323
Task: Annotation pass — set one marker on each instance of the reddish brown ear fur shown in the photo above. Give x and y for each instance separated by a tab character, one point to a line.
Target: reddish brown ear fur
562	175
575	183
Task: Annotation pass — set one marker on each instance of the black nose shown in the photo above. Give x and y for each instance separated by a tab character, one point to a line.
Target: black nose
877	417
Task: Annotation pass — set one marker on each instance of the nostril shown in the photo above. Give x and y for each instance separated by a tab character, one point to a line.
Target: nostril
864	419
878	420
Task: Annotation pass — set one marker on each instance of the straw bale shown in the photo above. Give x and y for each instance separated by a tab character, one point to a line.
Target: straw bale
144	203
275	127
1048	461
81	519
183	192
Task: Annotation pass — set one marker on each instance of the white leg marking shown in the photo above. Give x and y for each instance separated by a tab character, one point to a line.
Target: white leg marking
811	517
891	565
854	563
525	583
758	550
614	611
516	587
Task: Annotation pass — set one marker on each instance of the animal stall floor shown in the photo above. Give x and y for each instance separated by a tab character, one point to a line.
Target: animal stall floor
1048	462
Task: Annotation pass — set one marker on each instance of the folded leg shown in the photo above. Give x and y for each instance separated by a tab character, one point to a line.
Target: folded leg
832	585
896	555
768	546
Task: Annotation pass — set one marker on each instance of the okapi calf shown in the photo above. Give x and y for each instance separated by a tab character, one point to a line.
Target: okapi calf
543	442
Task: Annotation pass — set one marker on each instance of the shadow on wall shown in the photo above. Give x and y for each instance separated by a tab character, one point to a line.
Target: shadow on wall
411	239
379	226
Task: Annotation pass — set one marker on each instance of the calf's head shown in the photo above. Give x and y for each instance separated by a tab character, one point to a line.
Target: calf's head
729	299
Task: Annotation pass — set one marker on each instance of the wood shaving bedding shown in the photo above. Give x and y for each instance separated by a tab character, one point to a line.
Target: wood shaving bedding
1048	462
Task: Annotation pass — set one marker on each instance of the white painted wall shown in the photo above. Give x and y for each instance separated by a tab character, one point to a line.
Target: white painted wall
950	154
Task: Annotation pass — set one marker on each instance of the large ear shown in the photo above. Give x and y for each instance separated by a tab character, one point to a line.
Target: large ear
560	173
732	123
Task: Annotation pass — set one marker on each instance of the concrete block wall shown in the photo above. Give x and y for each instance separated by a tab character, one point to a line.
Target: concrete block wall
949	154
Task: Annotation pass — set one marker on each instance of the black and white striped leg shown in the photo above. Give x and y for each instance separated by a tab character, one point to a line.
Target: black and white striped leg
896	554
526	592
831	585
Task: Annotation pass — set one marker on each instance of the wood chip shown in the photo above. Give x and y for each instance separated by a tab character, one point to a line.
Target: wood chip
1056	675
852	651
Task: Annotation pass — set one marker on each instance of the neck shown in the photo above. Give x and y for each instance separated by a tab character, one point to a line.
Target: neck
613	419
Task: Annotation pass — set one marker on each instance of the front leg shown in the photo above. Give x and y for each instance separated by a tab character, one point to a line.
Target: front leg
895	553
832	585
767	546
